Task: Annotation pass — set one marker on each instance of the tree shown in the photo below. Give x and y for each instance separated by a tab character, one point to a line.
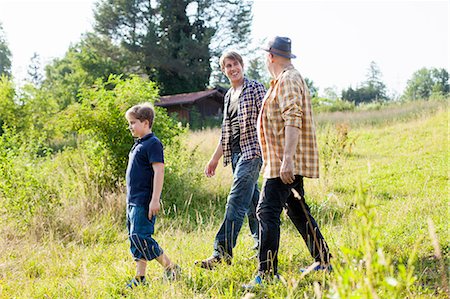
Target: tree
440	78
373	89
8	108
313	91
185	64
331	93
174	41
5	54
426	81
35	71
93	57
256	70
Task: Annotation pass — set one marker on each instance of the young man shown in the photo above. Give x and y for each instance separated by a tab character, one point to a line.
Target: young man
145	178
288	143
239	146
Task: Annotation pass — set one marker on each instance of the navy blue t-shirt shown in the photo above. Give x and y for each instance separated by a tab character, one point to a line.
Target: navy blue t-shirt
139	177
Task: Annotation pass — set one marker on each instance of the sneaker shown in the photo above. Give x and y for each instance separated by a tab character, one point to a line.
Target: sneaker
315	268
136	281
211	262
259	281
255	246
172	273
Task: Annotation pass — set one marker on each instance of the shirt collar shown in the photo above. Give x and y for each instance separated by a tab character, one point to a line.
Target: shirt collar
145	137
246	81
275	81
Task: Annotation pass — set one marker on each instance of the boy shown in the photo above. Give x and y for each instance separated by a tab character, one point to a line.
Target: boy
145	177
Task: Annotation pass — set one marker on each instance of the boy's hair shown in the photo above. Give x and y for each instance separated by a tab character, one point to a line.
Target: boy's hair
230	55
142	112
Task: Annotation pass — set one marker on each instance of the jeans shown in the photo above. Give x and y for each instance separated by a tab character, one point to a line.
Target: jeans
253	222
275	196
241	201
140	231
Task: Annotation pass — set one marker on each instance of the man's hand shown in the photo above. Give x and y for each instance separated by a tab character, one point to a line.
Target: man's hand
210	169
153	208
287	171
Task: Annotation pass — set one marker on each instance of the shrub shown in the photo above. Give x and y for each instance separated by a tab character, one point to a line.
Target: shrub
100	121
39	186
23	190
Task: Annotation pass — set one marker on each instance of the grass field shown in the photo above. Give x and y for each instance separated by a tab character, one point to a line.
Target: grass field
381	202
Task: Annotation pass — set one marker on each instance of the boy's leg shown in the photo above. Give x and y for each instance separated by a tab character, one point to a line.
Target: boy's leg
164	261
171	271
141	266
143	247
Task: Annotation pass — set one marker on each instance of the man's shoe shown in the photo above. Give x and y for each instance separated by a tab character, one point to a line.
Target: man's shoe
316	267
211	262
256	282
255	246
136	281
172	273
259	280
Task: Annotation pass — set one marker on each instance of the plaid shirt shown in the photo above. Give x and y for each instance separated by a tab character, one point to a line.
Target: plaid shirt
288	103
249	105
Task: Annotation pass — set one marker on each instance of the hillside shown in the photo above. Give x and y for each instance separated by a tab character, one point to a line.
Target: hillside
382	203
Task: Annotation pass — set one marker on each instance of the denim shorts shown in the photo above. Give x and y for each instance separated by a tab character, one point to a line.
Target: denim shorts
140	231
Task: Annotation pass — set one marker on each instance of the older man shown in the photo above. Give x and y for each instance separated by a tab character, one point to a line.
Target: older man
288	143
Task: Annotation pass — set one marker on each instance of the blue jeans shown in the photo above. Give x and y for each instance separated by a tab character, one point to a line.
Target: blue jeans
140	231
242	200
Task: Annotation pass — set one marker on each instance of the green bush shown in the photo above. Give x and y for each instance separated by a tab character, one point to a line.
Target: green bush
101	125
23	188
39	184
8	108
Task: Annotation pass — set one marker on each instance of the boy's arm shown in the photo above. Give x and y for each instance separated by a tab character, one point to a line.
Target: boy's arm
158	180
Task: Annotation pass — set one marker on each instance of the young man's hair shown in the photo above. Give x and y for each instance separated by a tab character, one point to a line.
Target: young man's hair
230	55
142	112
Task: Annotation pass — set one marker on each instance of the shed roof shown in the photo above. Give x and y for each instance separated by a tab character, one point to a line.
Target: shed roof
187	98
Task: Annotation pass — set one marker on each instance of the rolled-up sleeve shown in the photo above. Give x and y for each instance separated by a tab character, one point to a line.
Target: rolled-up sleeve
290	102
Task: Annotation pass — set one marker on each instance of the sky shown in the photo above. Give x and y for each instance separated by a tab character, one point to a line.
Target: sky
335	41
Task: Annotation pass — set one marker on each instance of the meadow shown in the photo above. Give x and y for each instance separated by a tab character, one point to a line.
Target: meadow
381	202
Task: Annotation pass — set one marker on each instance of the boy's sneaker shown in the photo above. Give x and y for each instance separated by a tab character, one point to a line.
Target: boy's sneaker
172	273
316	267
136	281
211	262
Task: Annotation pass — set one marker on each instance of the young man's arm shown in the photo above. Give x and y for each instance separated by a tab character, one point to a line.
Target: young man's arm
158	180
210	169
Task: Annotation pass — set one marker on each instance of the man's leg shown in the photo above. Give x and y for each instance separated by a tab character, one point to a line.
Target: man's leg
244	178
299	212
253	222
270	206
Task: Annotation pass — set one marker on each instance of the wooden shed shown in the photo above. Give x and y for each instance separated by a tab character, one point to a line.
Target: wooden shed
186	106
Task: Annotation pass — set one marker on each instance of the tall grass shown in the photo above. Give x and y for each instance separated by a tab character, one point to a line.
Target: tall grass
382	114
381	203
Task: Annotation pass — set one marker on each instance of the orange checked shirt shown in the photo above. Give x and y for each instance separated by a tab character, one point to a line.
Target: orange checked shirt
288	103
